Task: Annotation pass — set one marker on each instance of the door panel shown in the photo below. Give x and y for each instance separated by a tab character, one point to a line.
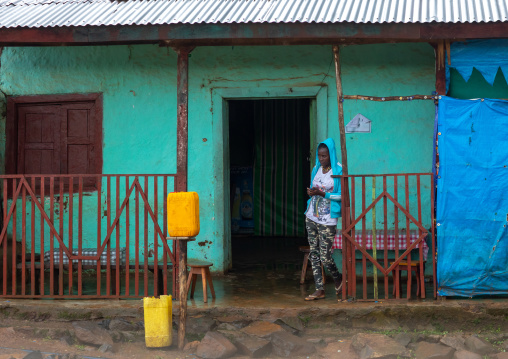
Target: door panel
38	139
78	142
77	159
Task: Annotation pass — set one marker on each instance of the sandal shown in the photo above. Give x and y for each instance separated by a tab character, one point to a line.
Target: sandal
349	299
314	297
338	289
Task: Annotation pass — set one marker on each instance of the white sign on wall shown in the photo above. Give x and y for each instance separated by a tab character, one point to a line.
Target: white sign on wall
359	123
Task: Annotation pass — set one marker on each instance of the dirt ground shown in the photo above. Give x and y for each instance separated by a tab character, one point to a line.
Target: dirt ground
17	342
17	335
254	296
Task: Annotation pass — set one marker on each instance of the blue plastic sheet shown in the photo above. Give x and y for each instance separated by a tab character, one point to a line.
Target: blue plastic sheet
434	149
472	202
487	56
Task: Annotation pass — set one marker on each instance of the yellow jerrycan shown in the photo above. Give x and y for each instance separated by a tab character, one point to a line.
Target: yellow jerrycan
183	214
158	313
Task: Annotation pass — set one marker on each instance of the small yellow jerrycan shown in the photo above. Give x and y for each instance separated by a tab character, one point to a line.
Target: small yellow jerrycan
183	214
158	321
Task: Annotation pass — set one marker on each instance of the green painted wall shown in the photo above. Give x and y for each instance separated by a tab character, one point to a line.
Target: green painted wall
139	128
139	84
401	138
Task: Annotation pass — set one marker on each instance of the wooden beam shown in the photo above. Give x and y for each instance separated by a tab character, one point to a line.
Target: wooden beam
181	242
342	128
439	50
387	98
182	117
182	145
347	288
248	34
182	280
457	31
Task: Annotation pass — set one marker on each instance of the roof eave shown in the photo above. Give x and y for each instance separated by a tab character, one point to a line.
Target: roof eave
250	33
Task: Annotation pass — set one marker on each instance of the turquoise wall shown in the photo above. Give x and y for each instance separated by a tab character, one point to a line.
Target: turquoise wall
139	84
401	138
139	125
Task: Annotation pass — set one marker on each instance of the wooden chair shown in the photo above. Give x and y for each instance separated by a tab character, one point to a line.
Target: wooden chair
306	253
203	269
415	267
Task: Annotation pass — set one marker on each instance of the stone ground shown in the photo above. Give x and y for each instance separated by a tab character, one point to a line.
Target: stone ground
115	329
260	312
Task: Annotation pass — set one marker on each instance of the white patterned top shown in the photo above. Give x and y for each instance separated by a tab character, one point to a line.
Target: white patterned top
319	209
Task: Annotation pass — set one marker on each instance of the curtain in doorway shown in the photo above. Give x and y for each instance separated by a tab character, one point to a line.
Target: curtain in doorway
281	167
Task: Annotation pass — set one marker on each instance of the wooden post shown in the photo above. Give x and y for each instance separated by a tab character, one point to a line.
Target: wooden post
342	128
182	138
182	84
182	280
346	253
440	68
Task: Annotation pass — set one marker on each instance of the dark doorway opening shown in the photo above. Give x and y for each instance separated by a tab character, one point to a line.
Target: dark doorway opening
269	142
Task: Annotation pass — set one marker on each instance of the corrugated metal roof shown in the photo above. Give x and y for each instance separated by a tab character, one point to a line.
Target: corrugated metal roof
51	13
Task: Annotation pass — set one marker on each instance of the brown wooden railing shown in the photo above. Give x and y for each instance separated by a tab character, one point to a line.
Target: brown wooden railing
85	236
399	207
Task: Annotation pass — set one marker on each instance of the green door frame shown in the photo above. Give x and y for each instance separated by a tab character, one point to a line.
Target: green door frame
220	133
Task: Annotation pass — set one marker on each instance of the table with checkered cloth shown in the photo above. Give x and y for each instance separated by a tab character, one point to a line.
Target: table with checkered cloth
89	252
380	242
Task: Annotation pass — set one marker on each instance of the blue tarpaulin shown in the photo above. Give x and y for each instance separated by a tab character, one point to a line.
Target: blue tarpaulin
487	56
472	202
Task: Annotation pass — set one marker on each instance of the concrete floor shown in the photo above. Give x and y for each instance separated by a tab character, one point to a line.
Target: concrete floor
264	278
273	289
266	283
251	289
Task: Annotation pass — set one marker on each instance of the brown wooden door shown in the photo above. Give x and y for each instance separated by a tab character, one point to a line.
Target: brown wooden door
77	143
55	135
58	139
39	137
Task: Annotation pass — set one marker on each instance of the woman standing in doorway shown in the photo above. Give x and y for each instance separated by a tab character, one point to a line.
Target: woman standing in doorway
323	211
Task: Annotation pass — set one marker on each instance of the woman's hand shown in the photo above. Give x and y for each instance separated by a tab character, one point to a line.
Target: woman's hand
314	191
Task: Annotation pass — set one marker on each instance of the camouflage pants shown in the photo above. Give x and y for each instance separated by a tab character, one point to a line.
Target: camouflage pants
320	241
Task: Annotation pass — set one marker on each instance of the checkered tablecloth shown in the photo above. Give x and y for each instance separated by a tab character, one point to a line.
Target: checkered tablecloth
380	242
86	252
